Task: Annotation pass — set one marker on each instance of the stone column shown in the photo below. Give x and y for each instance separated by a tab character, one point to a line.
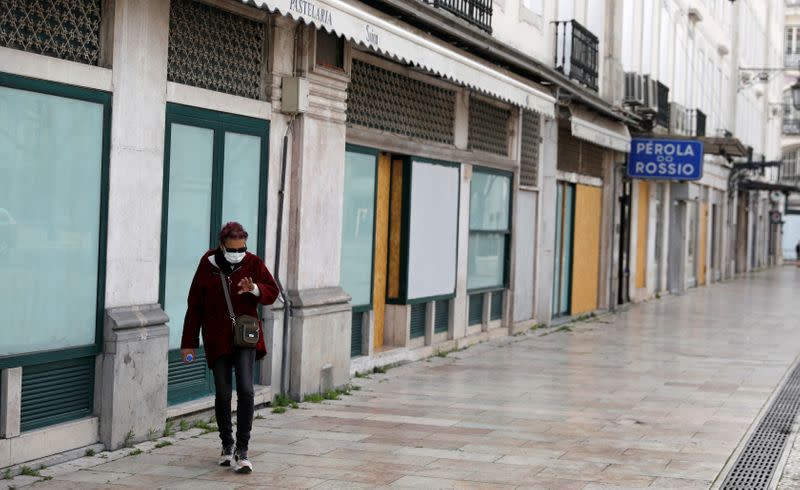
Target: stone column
10	402
546	229
133	394
132	383
321	314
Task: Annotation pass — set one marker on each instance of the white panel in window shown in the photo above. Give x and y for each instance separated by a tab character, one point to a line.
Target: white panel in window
433	230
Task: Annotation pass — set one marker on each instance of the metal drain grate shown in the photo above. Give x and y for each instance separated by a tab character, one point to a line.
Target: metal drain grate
759	460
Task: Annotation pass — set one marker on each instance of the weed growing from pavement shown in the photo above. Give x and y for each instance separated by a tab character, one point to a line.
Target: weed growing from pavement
28	471
295	405
331	395
89	452
184	425
282	401
128	442
206	426
163	444
259	417
362	376
169	428
313	398
152	434
279	410
7	475
135	452
379	370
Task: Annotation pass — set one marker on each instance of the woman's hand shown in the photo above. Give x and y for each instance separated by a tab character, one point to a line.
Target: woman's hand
185	353
246	285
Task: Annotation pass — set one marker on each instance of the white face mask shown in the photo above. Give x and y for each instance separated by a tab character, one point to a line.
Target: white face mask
234	257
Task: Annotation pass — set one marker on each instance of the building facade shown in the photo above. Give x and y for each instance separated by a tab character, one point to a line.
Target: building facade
418	185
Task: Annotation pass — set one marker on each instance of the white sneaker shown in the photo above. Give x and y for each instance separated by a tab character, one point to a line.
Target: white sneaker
243	464
226	456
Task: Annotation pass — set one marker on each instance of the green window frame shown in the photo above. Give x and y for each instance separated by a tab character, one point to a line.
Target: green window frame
481	232
195	381
57	354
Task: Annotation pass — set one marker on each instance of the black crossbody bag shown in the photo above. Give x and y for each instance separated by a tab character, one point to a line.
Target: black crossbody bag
245	327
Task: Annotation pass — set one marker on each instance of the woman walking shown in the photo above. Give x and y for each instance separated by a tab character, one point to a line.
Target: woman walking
230	266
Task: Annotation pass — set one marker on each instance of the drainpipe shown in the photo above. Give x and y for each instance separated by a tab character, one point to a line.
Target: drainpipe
287	307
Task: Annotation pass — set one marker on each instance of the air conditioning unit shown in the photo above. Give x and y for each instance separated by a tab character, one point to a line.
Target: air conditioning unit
634	95
677	118
650	96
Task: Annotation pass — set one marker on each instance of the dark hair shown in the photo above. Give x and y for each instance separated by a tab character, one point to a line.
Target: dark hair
232	230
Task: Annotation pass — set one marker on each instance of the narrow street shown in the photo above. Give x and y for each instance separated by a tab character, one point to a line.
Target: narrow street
659	395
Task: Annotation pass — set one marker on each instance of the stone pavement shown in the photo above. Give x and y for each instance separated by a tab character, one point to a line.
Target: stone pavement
656	396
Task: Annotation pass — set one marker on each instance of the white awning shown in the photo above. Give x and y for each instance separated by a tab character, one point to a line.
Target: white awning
370	28
600	130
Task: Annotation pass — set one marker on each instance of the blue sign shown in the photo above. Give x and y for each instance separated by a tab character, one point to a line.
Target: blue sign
665	159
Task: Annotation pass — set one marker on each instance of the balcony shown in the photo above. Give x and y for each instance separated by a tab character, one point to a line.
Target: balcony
662	116
791	61
700	124
476	12
576	53
791	126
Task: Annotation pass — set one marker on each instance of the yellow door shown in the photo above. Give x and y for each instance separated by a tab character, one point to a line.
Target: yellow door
642	217
381	245
702	242
586	249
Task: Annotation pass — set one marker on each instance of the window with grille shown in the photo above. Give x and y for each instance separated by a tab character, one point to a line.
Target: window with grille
388	101
442	313
215	50
531	139
418	320
488	127
497	306
66	29
475	313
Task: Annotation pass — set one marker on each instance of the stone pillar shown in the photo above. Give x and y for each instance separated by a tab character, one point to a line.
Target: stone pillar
132	384
547	233
134	380
141	32
10	402
321	313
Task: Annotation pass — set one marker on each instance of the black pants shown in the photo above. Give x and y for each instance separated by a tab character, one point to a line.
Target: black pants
243	361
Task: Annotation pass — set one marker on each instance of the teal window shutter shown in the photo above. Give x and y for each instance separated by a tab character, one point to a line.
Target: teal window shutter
418	320
57	392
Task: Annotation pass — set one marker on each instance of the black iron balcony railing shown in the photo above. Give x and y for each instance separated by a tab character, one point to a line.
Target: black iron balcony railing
699	123
662	116
576	53
476	12
791	126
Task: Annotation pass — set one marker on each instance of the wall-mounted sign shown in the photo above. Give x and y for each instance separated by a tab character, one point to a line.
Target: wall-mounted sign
665	159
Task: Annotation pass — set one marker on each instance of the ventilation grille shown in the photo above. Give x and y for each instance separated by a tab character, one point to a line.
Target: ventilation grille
388	101
488	127
579	156
757	463
442	321
356	334
475	309
66	29
531	139
418	320
215	50
188	381
497	306
57	392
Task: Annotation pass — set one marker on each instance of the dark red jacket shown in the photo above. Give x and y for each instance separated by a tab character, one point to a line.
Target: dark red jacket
207	311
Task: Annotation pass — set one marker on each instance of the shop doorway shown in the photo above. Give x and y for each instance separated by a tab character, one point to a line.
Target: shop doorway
623	273
562	273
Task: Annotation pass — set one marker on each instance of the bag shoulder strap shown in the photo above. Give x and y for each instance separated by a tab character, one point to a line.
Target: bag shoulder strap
227	295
